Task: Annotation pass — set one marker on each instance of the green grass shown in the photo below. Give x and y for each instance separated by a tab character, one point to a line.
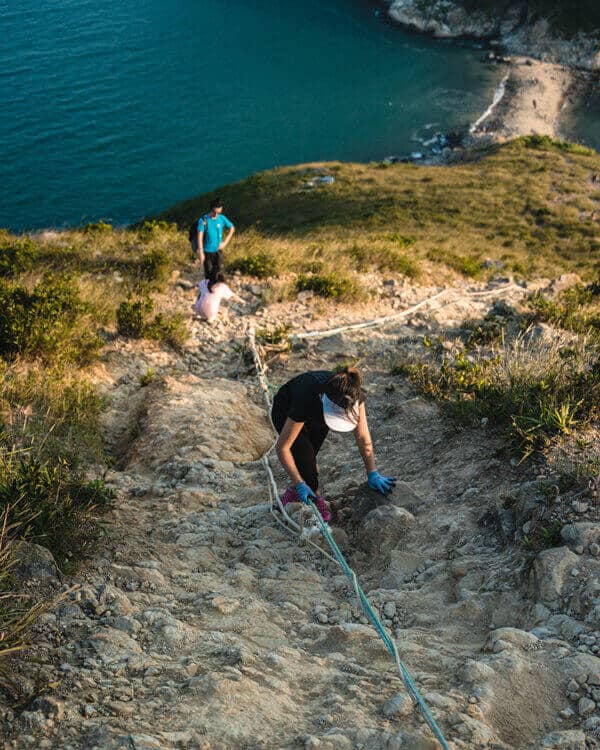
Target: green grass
529	203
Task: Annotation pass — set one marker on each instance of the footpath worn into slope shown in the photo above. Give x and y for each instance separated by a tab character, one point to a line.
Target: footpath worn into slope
202	624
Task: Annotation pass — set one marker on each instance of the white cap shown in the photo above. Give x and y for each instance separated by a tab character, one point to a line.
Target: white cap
337	418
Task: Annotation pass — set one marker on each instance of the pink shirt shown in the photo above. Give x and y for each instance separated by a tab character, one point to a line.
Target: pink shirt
208	303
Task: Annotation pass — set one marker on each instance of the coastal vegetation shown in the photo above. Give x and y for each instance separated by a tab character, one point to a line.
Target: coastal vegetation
528	208
525	209
583	15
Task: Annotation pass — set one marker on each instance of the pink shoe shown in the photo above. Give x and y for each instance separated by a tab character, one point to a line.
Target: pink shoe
289	496
323	509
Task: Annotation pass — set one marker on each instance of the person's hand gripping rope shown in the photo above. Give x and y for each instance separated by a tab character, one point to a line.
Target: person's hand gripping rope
305	492
381	484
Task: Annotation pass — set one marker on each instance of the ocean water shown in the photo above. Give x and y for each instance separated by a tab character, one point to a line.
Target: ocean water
116	109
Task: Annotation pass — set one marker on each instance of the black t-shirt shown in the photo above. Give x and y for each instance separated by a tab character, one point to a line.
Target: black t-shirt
300	398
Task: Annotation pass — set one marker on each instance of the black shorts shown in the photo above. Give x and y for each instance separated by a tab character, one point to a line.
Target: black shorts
212	264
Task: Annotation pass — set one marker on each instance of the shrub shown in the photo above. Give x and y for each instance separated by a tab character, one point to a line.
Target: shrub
533	392
576	308
16	254
131	318
328	285
133	321
387	259
260	265
401	240
49	503
152	227
98	227
155	265
273	336
50	321
148	377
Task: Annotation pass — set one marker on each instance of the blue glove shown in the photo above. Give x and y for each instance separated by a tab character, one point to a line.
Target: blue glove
382	484
304	492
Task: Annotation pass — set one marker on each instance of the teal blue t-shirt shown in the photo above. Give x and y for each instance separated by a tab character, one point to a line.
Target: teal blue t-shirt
213	231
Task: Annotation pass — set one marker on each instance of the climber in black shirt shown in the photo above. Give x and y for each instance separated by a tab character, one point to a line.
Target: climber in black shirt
304	409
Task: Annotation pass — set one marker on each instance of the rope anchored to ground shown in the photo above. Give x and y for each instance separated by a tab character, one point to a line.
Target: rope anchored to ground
298	529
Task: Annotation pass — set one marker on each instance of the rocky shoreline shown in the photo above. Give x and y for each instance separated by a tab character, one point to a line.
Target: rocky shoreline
445	19
545	74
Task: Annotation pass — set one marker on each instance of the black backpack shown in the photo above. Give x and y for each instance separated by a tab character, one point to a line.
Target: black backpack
194	228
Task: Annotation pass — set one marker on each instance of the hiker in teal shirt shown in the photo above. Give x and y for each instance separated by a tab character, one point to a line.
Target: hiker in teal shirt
210	240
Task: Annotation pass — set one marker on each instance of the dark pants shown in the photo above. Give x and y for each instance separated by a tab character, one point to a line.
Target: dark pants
305	447
212	264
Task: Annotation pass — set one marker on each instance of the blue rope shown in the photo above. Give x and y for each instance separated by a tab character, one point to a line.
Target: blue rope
377	624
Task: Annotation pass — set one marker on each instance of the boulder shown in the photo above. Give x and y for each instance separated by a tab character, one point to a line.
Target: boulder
580	534
402	566
572	739
511	637
34	563
365	500
551	573
382	528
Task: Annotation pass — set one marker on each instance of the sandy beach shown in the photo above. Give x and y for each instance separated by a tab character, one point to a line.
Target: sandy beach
529	101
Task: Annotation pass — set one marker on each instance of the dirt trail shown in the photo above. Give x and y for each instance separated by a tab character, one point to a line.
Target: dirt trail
204	625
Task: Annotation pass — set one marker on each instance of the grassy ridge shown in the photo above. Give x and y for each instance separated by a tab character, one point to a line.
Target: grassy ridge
62	295
531	204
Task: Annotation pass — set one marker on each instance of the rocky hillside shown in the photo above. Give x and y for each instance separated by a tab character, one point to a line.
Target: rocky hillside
173	610
554	31
202	624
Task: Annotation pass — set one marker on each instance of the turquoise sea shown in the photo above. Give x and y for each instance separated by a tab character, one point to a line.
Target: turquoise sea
116	109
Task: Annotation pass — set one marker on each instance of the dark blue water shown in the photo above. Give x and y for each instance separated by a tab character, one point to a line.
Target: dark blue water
116	109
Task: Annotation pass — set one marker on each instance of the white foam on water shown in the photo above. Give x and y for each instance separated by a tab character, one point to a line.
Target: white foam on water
498	96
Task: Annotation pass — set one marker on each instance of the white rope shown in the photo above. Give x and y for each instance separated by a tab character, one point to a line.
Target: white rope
403	313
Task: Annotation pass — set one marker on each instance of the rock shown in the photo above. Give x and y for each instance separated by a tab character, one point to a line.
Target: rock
382	528
512	637
401	568
414	741
549	576
399	705
113	643
340	345
225	605
585	707
580	534
389	610
34	563
570	740
365	500
49	706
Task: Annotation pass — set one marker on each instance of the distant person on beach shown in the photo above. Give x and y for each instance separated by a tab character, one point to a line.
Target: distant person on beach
304	410
210	294
208	242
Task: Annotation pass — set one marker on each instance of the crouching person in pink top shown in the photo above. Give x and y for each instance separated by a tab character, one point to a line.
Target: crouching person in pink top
210	293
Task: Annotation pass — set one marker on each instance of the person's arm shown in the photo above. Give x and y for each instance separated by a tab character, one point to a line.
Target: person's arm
283	448
201	246
227	239
375	480
362	436
238	299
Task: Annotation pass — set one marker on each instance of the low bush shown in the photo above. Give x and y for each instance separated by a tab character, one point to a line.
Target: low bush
273	336
134	321
51	321
17	254
155	265
576	308
388	259
132	318
468	265
49	503
98	227
533	392
328	285
260	265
